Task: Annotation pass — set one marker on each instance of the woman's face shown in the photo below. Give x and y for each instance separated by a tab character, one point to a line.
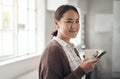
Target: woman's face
68	26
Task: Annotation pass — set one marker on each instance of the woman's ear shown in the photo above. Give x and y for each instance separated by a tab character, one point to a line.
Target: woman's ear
55	22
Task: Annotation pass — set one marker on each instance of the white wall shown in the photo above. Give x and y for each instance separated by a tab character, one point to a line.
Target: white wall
20	67
41	23
30	75
96	7
83	5
96	39
116	37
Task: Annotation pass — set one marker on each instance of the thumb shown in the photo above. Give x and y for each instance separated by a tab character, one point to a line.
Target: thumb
86	59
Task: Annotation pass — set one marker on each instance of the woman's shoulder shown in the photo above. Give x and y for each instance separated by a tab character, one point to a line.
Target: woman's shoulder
54	47
53	43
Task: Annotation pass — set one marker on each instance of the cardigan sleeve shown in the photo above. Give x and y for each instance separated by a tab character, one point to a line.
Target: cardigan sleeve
51	66
77	74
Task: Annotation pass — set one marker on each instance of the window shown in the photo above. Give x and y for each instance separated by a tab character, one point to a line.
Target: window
17	28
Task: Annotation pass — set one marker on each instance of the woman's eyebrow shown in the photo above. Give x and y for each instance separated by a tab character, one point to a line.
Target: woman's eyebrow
71	19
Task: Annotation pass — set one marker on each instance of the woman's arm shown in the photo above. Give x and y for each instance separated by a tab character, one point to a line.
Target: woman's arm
52	66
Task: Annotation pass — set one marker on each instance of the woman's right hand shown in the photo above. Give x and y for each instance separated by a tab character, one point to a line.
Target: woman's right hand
88	64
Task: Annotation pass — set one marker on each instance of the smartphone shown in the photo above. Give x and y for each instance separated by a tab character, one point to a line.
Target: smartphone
100	53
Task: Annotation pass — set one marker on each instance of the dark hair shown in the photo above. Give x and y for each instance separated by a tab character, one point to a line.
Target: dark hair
54	33
59	13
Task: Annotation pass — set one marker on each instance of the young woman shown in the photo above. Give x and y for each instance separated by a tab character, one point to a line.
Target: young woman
60	59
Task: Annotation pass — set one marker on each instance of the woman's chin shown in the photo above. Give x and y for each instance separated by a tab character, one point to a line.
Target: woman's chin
74	36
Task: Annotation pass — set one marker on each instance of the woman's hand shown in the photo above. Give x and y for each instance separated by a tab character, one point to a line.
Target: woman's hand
88	64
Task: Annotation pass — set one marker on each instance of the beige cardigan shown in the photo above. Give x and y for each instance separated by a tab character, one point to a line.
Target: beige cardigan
54	64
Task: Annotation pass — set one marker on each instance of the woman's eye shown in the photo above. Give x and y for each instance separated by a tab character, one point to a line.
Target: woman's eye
77	21
69	21
72	22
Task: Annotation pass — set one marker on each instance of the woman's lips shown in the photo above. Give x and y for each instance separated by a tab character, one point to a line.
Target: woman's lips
73	31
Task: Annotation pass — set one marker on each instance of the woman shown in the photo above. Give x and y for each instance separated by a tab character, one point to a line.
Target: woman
60	59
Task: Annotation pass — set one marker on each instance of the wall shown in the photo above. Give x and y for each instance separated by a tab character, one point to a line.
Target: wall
30	75
49	25
83	5
41	17
20	67
100	40
116	38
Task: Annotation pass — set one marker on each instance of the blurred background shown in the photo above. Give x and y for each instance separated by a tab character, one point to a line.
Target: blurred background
25	27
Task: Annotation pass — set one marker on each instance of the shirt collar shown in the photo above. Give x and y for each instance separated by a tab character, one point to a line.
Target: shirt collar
62	42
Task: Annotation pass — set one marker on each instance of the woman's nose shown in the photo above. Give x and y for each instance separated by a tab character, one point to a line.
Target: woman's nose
74	24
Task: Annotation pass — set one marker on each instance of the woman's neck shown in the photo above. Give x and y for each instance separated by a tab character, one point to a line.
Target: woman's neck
67	40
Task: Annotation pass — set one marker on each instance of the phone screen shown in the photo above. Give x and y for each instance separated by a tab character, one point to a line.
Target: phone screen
101	53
